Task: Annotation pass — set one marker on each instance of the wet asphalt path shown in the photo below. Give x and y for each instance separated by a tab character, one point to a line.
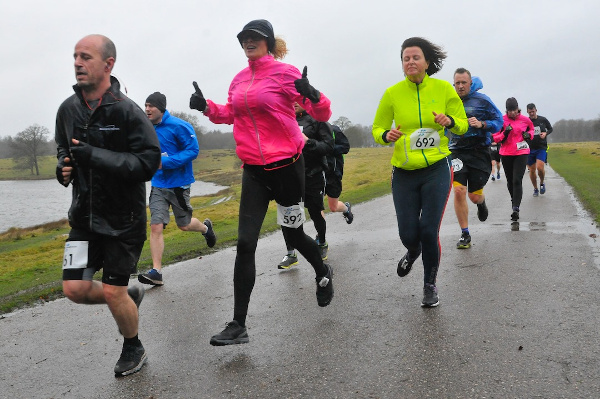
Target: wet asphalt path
518	318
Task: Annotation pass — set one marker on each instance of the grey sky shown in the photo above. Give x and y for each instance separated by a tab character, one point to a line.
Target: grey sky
533	51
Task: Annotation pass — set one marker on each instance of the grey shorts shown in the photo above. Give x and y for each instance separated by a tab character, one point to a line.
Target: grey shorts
176	198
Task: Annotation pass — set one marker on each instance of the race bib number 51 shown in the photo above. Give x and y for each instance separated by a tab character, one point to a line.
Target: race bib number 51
424	138
291	216
76	255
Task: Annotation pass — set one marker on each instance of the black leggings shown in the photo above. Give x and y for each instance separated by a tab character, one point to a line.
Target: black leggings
320	225
420	198
259	186
514	170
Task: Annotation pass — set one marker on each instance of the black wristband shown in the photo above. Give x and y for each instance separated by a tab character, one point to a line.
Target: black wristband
383	136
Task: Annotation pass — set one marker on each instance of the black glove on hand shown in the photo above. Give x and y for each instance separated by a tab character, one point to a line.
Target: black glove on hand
506	132
197	100
305	89
59	176
526	135
81	153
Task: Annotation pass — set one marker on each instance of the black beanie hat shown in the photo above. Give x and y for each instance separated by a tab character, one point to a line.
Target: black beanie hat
158	100
512	104
263	28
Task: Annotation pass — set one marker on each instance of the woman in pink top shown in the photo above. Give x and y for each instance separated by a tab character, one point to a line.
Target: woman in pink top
260	105
515	136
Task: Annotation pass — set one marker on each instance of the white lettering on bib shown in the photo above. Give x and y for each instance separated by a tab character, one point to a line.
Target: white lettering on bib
424	138
76	255
291	216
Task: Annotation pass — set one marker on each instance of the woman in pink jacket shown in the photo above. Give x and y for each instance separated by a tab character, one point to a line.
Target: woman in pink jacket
515	136
260	105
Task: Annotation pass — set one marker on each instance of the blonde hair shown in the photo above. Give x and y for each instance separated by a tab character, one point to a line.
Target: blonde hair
280	49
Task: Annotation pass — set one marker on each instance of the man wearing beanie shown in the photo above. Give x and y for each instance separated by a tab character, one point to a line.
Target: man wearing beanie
171	183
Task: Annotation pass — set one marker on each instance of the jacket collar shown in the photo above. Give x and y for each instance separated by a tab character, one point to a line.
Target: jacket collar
112	95
264	60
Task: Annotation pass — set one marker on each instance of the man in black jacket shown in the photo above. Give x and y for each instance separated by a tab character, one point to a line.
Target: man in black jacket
318	141
107	149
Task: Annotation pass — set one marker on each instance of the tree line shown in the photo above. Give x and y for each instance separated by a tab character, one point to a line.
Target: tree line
35	141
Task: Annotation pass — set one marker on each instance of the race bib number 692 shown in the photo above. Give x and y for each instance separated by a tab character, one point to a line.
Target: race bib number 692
424	138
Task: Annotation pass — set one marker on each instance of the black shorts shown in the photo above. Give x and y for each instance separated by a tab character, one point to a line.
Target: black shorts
333	189
315	191
472	168
495	154
116	256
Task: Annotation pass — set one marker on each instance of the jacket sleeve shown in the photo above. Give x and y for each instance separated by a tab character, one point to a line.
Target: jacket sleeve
323	144
221	114
383	118
495	121
548	126
186	138
341	146
320	111
142	160
62	144
530	128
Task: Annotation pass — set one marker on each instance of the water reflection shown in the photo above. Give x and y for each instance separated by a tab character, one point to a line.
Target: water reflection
514	226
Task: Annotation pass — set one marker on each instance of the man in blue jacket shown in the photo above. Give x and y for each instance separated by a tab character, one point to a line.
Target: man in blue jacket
471	158
171	183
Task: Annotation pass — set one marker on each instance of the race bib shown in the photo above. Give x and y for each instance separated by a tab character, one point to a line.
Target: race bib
537	130
522	145
291	216
457	164
424	138
76	255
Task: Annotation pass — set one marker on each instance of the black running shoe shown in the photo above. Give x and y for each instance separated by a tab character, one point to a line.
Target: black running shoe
288	261
348	215
464	242
430	296
514	216
153	277
132	359
405	265
482	212
325	287
232	334
210	236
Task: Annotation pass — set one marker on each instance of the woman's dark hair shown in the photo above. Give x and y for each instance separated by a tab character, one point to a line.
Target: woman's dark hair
433	53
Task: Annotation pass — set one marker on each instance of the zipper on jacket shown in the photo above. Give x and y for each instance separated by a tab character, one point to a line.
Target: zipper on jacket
421	120
252	117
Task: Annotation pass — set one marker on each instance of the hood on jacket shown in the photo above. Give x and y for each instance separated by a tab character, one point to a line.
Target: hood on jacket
476	84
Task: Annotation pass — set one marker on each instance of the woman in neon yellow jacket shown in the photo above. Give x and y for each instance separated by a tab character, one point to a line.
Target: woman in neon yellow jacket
422	108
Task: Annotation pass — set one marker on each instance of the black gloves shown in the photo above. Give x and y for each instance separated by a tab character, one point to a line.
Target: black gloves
81	153
197	100
526	135
506	132
305	89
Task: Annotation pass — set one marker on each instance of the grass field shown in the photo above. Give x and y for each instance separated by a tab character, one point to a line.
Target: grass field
579	165
30	258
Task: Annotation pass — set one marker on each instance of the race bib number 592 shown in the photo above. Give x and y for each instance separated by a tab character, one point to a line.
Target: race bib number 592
76	255
291	216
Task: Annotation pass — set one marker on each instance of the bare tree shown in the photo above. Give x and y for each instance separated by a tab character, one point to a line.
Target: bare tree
343	123
28	145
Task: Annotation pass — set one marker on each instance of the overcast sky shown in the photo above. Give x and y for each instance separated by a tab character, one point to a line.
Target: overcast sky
546	52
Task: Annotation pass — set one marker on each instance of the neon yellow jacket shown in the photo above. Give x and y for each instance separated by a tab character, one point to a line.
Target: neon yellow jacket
410	106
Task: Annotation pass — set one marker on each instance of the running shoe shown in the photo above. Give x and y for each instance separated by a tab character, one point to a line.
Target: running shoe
210	236
514	216
324	249
405	265
498	176
493	178
348	215
232	334
465	241
288	261
325	287
430	296
153	277
543	188
132	359
536	192
482	212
